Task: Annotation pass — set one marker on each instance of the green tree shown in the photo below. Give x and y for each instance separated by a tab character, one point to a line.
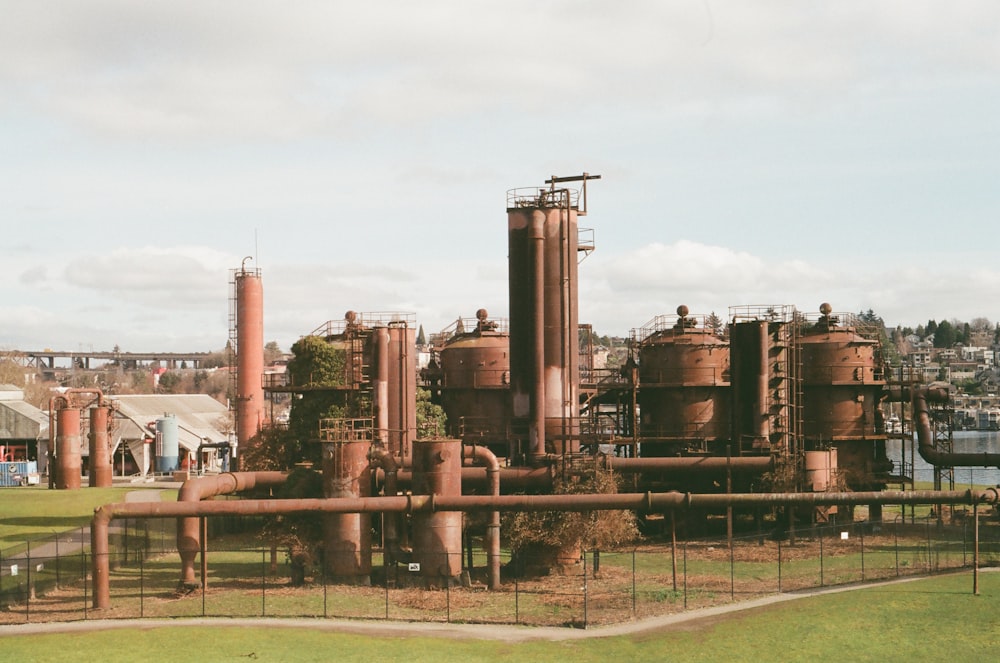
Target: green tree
170	382
945	335
714	323
317	363
431	419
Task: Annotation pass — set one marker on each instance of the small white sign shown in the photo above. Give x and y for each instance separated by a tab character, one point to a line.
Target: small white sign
844	536
414	566
39	567
13	569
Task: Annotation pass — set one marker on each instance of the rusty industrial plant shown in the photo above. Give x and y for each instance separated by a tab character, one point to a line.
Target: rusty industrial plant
770	408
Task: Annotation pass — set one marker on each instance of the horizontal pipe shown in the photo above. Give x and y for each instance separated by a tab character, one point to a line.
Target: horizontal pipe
738	464
647	502
575	502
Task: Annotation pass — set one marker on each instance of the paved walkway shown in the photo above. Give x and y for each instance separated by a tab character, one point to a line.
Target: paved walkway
67	543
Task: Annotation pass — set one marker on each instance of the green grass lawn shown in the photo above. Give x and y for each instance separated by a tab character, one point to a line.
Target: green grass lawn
924	620
32	512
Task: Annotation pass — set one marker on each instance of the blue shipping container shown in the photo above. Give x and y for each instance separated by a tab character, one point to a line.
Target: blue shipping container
16	473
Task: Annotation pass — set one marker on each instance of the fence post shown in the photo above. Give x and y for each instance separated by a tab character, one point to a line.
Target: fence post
83	567
863	551
263	579
584	588
142	585
895	542
975	552
633	581
685	575
779	566
27	589
965	536
58	577
732	571
821	579
517	593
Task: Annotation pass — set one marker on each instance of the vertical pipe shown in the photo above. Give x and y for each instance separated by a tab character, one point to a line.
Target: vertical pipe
488	458
763	431
101	564
537	426
99	465
382	385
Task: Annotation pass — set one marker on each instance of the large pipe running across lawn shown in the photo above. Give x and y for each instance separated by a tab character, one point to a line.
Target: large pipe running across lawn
646	502
196	490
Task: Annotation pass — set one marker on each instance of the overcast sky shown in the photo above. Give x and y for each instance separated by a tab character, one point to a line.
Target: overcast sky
752	153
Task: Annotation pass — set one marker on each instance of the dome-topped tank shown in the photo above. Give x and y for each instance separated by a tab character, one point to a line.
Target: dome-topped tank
842	383
683	384
475	380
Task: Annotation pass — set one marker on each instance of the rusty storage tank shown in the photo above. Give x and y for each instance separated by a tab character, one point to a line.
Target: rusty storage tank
249	297
683	386
842	384
437	536
69	461
99	459
347	536
475	382
542	235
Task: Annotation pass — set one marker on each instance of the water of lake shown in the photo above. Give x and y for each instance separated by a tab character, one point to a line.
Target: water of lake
965	442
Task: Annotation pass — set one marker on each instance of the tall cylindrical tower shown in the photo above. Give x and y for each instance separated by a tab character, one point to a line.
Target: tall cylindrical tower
542	235
249	294
69	460
99	461
401	388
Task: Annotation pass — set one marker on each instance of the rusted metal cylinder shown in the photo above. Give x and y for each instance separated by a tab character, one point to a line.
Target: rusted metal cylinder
380	397
402	389
475	384
99	461
542	252
250	354
684	387
347	537
821	469
69	461
842	385
437	537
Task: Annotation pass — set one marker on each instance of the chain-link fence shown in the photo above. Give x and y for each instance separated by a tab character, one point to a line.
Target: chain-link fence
49	579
